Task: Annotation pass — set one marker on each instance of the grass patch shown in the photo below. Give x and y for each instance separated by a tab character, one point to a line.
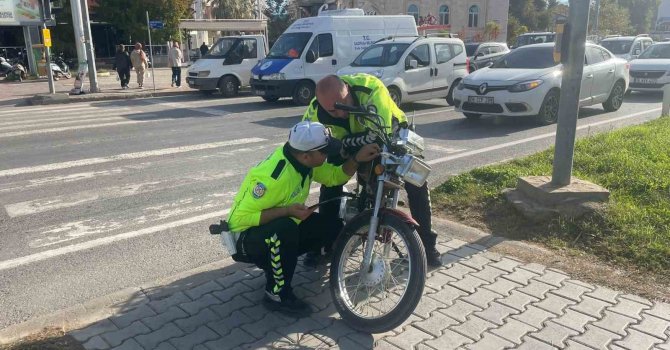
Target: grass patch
634	228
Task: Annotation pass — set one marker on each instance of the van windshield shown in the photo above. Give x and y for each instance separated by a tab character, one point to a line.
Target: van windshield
221	48
289	45
380	55
617	47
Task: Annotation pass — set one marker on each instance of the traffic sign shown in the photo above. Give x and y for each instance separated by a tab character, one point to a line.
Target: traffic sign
46	34
156	24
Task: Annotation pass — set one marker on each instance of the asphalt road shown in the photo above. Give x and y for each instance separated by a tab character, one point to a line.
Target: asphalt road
101	196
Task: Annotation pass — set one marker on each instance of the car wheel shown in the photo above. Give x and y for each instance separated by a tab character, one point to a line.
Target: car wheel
304	93
207	92
228	86
472	116
271	99
395	94
549	110
450	95
615	100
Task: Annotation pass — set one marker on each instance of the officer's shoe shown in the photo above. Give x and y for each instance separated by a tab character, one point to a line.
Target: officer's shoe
312	259
287	303
433	257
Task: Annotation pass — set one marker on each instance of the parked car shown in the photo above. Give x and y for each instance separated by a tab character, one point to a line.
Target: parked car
414	68
627	47
649	72
527	82
484	54
534	38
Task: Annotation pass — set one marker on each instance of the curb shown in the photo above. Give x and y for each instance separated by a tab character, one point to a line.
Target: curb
62	98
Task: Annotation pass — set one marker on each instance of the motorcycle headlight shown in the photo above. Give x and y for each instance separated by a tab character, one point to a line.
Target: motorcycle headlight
525	86
203	73
275	76
413	170
411	141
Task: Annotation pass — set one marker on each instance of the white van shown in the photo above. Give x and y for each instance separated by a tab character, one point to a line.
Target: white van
227	65
414	68
314	47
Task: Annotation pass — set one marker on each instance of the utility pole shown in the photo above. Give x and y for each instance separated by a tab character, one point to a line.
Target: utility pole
47	51
597	20
86	24
79	40
568	109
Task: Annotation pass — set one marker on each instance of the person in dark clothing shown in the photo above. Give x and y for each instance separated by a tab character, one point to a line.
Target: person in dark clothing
122	65
203	49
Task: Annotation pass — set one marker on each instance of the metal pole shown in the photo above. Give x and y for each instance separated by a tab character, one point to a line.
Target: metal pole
570	88
151	53
50	73
92	72
79	40
597	21
28	39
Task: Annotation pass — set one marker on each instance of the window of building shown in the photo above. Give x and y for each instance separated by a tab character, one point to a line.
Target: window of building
413	10
473	16
444	15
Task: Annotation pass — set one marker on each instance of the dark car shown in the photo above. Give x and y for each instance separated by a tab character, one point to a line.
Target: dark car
484	54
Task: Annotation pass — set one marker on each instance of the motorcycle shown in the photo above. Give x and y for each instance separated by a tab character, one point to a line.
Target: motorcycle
59	67
378	266
5	67
13	71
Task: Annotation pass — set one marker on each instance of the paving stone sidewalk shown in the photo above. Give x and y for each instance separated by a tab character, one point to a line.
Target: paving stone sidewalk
478	300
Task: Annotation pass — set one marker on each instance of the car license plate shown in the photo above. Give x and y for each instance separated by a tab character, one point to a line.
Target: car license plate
259	92
644	81
480	99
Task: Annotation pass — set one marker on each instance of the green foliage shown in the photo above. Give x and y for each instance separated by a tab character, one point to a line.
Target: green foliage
279	18
613	19
234	9
633	163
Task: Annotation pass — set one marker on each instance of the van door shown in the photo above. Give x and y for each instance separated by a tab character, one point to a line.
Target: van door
248	50
322	56
418	80
444	67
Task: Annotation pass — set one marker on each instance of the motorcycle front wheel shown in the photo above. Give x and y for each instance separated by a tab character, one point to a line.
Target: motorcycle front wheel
382	297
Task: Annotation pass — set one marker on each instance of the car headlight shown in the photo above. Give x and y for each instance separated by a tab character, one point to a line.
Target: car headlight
275	76
254	76
203	73
378	73
460	85
525	86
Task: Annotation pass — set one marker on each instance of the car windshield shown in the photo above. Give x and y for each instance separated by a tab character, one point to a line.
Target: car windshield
534	39
470	49
221	47
289	45
617	47
380	55
656	51
528	58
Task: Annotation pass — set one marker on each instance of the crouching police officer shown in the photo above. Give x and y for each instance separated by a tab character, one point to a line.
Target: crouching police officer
276	227
367	91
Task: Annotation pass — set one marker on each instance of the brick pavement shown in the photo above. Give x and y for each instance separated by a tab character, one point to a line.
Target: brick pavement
479	300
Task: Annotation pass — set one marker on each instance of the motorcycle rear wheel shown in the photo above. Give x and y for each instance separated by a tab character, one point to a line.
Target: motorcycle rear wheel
385	296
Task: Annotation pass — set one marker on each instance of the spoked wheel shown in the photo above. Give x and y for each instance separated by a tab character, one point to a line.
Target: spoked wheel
381	298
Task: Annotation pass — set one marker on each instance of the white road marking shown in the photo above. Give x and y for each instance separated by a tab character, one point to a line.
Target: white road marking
126	156
535	138
445	149
68	128
206	110
38	123
33	258
44	109
88	115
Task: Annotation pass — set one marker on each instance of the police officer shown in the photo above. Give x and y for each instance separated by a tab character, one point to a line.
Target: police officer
276	227
366	90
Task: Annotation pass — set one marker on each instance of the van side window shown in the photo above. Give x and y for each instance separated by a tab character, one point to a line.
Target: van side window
322	45
456	49
443	53
250	48
421	54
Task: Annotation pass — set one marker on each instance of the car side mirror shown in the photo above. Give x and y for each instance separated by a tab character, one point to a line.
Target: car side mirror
636	52
413	64
311	56
489	64
480	54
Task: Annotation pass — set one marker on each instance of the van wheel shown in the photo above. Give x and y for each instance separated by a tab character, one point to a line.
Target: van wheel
472	116
270	99
450	95
228	86
304	93
396	96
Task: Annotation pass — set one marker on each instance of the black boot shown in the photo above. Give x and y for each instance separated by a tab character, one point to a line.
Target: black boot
433	257
286	302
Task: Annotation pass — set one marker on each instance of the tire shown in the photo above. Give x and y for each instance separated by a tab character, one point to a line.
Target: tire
228	86
472	116
615	100
303	93
450	94
207	92
395	94
549	111
415	266
270	99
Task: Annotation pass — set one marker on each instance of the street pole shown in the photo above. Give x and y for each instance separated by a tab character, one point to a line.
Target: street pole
47	52
568	109
92	72
151	53
597	21
79	40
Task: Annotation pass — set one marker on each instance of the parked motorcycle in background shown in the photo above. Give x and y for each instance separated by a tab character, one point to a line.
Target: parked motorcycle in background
59	67
13	71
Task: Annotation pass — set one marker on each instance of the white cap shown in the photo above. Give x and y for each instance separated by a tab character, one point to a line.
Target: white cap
311	136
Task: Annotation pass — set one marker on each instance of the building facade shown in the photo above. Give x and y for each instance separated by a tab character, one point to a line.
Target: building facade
467	18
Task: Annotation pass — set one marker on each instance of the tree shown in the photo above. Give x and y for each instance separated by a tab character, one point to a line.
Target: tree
491	30
613	19
514	29
233	9
641	13
279	18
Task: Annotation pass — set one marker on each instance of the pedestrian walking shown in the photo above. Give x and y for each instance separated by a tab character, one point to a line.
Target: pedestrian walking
203	49
175	58
139	61
122	65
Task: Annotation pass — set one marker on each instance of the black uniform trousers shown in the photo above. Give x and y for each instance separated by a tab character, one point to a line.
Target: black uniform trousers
275	247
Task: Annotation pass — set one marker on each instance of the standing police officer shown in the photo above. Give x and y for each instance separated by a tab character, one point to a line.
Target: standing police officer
367	91
276	227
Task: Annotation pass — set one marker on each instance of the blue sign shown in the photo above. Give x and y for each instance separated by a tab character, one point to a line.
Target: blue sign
156	24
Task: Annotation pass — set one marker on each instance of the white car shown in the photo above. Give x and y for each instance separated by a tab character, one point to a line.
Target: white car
651	71
527	82
414	68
